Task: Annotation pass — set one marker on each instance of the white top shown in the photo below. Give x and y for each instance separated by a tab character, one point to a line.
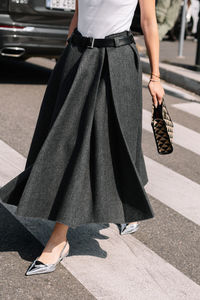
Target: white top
98	18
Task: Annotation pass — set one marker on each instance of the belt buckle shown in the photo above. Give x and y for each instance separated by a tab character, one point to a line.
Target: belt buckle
91	46
116	41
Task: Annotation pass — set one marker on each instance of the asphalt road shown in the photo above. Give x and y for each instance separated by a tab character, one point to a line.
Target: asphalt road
174	235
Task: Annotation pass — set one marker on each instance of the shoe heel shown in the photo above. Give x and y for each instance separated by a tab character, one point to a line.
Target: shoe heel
66	254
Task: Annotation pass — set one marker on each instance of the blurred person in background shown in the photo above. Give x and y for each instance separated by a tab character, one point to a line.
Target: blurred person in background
167	12
192	9
192	16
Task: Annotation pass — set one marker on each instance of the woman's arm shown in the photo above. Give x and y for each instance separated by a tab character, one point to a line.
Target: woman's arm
74	21
150	30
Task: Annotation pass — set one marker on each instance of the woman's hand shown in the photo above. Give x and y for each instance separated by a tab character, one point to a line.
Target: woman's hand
157	92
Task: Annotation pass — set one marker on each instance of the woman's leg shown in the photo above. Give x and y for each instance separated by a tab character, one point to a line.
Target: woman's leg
55	244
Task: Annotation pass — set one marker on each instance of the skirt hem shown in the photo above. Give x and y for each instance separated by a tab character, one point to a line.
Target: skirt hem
143	217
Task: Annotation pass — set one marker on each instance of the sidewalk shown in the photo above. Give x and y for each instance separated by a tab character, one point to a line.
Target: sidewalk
173	69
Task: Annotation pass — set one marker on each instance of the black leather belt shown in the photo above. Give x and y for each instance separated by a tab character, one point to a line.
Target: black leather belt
88	42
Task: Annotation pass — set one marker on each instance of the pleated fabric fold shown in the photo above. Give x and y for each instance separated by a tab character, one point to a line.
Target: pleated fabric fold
85	163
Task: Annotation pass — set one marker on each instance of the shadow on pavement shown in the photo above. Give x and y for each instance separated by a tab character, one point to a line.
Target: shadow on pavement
14	237
22	72
83	241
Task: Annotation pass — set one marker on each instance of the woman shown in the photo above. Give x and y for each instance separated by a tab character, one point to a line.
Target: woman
85	163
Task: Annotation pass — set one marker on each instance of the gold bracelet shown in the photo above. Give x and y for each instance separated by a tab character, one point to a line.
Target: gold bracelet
156	75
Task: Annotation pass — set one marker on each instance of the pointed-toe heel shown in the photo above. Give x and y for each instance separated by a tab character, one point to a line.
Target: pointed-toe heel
38	267
128	228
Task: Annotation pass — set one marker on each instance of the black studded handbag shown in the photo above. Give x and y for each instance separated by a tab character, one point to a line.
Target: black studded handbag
162	128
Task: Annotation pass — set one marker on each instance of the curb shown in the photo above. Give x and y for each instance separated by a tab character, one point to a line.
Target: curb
189	80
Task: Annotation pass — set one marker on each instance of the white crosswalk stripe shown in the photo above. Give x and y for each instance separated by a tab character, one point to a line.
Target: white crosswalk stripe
177	192
190	108
11	163
129	271
125	268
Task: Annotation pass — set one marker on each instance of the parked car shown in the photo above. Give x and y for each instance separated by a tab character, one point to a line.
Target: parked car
34	27
37	27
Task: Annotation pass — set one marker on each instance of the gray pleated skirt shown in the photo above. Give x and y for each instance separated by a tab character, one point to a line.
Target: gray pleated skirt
85	163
